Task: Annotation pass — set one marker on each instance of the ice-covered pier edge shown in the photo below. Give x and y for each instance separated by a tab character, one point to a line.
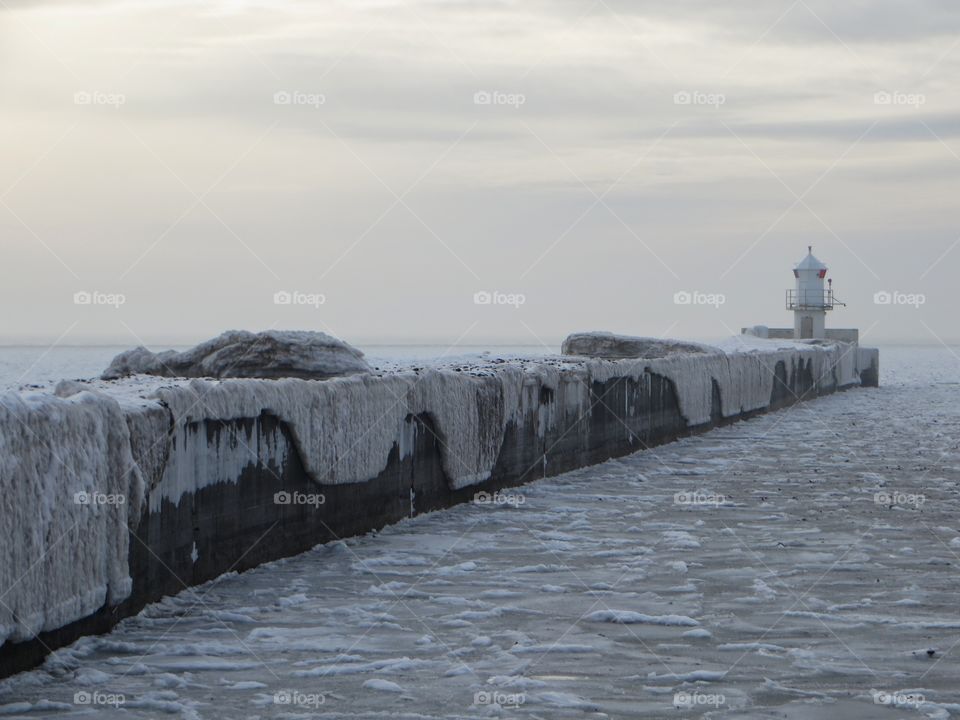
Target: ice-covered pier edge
117	493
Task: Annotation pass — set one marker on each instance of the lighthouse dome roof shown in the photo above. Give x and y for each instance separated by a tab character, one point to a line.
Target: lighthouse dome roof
810	262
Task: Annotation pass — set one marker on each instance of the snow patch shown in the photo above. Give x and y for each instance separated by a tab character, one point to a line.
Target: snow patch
382	685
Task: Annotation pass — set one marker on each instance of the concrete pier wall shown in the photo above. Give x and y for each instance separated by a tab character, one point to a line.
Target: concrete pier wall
869	365
235	477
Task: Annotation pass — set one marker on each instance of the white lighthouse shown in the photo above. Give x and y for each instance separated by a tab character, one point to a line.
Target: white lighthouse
810	300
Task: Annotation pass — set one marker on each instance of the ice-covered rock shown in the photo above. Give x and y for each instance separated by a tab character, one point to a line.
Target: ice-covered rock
608	345
135	362
241	354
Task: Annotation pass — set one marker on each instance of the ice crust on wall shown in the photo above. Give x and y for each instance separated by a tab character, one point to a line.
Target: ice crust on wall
744	370
149	430
345	428
63	558
195	462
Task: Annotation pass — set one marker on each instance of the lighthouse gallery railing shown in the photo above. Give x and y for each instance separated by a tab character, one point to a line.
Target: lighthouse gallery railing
810	300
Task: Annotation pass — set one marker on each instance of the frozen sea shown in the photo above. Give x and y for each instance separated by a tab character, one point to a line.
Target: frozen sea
803	564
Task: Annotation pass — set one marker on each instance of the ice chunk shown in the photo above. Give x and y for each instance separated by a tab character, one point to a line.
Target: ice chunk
382	685
628	617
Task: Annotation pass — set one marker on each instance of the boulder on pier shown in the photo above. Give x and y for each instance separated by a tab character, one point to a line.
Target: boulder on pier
608	345
241	354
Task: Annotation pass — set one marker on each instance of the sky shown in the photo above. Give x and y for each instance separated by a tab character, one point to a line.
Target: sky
471	172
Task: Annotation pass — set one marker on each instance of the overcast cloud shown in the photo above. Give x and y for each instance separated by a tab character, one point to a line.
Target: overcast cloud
394	158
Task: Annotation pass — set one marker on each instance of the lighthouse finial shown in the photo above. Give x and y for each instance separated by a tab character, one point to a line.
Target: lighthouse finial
810	249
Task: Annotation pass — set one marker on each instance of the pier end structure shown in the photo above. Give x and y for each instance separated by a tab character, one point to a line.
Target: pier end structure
118	493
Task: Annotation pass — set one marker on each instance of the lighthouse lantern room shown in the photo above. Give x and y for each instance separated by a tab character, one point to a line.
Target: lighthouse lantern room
810	300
